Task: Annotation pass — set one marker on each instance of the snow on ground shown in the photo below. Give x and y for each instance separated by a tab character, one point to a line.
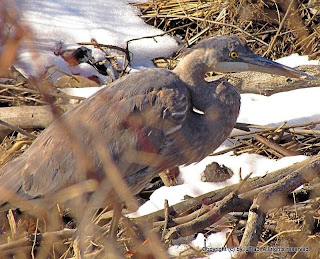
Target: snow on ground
293	107
200	243
110	22
190	177
295	60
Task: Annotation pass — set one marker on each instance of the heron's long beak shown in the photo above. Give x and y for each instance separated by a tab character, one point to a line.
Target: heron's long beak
260	64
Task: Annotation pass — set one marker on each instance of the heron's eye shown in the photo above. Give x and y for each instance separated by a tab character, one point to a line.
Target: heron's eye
233	54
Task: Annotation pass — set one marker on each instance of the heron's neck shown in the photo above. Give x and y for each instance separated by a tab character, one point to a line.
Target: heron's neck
192	69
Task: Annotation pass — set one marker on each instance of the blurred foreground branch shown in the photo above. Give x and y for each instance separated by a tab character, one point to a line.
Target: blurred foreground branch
29	239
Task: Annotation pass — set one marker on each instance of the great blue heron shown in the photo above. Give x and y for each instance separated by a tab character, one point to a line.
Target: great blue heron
139	125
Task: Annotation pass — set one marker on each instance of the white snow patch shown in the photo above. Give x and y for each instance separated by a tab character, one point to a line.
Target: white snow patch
295	60
191	184
214	241
112	22
295	107
81	92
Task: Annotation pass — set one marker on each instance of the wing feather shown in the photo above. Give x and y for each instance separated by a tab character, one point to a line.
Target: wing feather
132	118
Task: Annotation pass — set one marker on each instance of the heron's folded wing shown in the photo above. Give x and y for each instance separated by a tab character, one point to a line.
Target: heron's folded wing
132	118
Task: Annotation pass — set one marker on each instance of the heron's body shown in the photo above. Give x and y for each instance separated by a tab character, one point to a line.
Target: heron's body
146	121
149	118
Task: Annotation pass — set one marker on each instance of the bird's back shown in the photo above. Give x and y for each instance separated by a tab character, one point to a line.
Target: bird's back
130	119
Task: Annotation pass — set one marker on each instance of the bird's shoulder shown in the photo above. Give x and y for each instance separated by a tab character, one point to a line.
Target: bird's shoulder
146	81
155	92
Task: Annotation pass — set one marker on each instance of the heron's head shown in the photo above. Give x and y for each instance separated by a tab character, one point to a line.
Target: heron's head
232	54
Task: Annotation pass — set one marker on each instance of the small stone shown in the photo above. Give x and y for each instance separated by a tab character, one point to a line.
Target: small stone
216	173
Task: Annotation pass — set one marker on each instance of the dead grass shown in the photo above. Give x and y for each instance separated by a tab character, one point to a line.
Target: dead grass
270	27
